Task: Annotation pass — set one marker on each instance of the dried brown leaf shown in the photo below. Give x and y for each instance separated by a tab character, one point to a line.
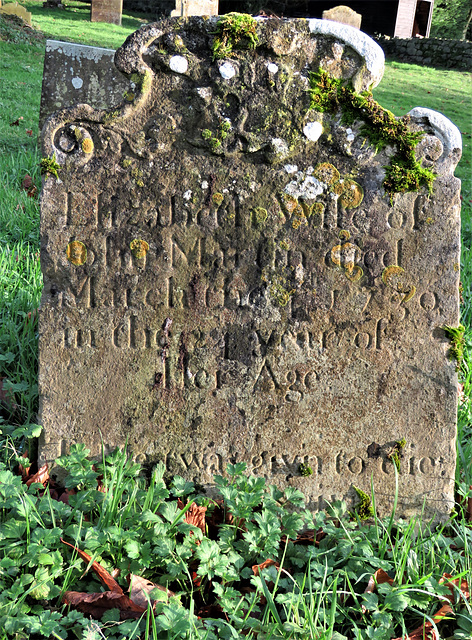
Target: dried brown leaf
195	515
95	604
139	587
103	575
426	630
41	476
257	568
451	582
379	577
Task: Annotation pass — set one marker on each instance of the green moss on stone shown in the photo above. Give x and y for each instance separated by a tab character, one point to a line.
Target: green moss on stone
404	173
396	454
49	166
364	509
234	31
456	336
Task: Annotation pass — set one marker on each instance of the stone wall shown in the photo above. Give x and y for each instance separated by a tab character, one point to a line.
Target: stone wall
434	52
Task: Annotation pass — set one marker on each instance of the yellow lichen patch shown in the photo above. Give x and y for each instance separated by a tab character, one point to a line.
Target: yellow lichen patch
139	248
395	277
126	162
429	221
285	244
129	96
352	194
344	235
290	203
76	253
356	273
259	216
336	255
390	272
218	198
87	145
457	266
327	173
280	294
337	188
410	294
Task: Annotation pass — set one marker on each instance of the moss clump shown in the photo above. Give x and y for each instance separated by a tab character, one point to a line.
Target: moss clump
364	509
305	470
234	30
396	454
404	172
456	336
49	166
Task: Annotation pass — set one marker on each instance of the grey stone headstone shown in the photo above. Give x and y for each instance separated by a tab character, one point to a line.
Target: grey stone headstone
79	74
106	11
186	8
344	15
226	279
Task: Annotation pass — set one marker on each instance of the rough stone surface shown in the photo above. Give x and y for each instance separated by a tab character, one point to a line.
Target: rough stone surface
106	11
221	286
186	8
343	14
77	73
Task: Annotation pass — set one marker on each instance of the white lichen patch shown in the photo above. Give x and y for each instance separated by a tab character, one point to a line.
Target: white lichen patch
187	195
77	82
305	186
204	184
272	67
179	64
227	71
313	130
205	93
291	168
350	135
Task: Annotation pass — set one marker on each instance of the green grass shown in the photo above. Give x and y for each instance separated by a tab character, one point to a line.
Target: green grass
137	525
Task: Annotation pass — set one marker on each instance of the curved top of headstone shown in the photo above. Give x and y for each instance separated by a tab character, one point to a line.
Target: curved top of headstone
368	49
339	49
443	129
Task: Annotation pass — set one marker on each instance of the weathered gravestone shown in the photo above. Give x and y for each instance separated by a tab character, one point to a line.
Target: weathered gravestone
77	73
185	8
106	11
344	15
232	274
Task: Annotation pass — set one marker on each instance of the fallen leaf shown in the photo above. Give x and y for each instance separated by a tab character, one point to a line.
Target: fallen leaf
451	582
103	575
426	631
29	132
17	122
41	476
95	604
379	577
195	515
257	568
139	587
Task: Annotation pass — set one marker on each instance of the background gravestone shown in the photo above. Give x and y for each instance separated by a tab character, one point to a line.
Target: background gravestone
343	14
106	11
227	277
78	73
185	8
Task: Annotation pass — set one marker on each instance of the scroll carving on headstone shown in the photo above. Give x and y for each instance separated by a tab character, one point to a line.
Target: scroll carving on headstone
241	266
